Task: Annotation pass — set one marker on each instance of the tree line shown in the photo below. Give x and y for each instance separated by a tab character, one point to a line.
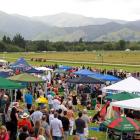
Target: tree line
19	44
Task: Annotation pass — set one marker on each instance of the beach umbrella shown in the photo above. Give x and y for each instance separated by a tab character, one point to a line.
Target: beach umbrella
42	100
122	124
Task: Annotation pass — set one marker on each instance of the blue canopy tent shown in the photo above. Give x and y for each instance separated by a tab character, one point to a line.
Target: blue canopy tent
4	74
23	65
20	64
65	68
33	70
84	72
104	77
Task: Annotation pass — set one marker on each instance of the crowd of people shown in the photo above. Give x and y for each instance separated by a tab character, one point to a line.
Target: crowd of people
64	117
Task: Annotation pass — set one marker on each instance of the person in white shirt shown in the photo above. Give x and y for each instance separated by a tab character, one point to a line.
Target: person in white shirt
51	115
56	104
37	115
63	107
56	128
50	100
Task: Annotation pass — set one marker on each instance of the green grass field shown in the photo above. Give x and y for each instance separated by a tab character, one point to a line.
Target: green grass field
129	61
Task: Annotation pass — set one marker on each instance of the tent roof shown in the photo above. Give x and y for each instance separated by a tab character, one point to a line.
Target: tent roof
105	77
65	67
122	96
129	84
33	70
44	69
25	77
21	64
84	72
130	104
20	61
122	124
60	71
85	80
7	84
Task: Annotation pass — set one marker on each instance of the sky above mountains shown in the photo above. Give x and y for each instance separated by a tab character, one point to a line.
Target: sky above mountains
113	9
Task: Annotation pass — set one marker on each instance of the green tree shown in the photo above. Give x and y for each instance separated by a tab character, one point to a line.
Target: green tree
2	47
6	39
81	40
121	45
19	40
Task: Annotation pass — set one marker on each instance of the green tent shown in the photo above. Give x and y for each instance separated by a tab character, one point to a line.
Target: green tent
25	77
7	84
122	96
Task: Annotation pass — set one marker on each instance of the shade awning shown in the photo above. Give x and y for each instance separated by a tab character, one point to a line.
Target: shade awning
122	96
122	124
25	77
129	84
105	77
129	104
84	72
7	84
85	80
33	70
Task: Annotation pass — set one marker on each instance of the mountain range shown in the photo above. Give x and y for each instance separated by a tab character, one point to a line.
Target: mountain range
68	27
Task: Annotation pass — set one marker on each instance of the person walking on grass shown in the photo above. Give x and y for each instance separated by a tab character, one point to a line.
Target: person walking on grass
29	99
80	125
56	128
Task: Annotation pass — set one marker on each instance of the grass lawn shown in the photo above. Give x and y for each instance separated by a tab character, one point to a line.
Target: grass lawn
98	134
103	60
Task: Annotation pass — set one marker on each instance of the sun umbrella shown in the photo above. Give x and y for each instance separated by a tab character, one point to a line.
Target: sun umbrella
122	124
42	100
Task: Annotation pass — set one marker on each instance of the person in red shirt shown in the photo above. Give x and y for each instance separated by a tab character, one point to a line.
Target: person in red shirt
4	134
25	122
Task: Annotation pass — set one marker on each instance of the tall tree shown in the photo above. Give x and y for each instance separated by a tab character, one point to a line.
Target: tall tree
19	40
121	45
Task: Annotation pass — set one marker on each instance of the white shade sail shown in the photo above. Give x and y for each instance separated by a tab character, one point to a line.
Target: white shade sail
129	84
129	104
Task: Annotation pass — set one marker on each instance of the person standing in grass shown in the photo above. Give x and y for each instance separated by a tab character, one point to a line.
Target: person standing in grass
86	119
80	125
56	128
66	125
29	99
50	99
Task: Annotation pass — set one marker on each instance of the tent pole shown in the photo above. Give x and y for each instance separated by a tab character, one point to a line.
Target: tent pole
11	95
106	133
121	137
101	102
15	95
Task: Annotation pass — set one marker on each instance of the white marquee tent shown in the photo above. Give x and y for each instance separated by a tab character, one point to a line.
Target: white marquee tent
130	104
129	84
44	69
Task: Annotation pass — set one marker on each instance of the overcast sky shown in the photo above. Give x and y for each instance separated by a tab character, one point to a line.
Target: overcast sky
114	9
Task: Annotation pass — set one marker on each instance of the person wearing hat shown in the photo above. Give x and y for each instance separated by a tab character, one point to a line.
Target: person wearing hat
25	121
